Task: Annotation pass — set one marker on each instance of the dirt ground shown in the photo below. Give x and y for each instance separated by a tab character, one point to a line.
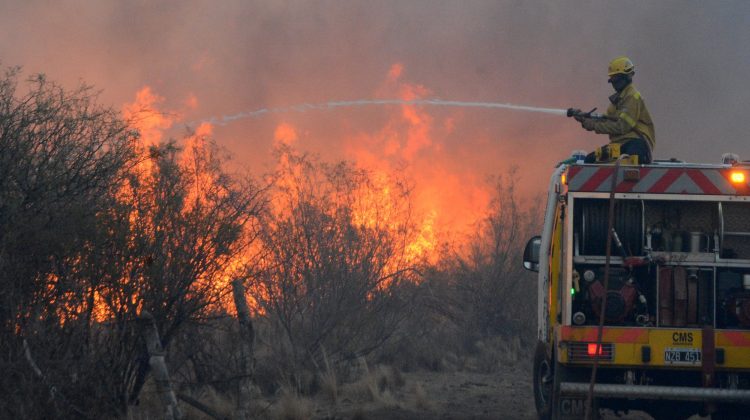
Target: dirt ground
445	395
385	393
506	394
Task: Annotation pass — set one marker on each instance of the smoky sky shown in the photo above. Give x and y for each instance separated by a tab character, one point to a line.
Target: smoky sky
692	63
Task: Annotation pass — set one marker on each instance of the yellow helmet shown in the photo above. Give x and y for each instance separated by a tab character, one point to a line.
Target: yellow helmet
621	65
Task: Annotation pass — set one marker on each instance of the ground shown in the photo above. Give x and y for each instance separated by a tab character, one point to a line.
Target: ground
385	393
505	394
454	395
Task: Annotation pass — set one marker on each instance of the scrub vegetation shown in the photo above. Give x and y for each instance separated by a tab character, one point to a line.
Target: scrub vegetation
346	321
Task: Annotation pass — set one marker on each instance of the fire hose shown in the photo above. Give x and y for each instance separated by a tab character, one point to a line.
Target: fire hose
600	328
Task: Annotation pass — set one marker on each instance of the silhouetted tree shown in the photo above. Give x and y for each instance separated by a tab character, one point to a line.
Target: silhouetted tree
61	155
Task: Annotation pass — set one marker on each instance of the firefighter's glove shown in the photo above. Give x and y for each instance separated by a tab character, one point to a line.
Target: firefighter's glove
587	123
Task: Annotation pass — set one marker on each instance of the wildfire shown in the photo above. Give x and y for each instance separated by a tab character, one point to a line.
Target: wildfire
407	154
448	196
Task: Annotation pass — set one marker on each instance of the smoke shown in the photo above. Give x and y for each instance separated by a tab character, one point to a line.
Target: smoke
207	58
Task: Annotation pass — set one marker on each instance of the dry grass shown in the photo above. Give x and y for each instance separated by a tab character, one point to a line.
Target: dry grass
378	385
354	388
149	404
221	403
422	401
491	355
292	406
329	386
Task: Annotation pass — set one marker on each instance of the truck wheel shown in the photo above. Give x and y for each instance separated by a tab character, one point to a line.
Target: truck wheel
568	407
544	381
548	374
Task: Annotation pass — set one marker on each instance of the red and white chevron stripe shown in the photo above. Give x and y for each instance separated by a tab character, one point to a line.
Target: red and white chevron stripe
656	180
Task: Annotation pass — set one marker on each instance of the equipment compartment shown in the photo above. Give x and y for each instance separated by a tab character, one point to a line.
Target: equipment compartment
681	226
734	231
733	298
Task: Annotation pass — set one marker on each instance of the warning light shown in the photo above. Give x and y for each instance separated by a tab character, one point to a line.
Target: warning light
565	179
592	350
737	177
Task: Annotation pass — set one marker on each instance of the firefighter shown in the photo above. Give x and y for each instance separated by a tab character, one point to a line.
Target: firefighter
627	121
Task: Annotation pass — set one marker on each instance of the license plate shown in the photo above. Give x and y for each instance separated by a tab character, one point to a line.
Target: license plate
682	356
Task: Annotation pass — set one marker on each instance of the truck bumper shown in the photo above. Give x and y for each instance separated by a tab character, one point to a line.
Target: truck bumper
656	392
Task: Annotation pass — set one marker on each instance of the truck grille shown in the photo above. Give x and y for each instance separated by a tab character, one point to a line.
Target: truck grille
586	352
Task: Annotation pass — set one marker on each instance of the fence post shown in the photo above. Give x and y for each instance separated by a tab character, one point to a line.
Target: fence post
158	366
247	343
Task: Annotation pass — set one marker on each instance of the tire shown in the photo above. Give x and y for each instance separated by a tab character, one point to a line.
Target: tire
548	374
544	382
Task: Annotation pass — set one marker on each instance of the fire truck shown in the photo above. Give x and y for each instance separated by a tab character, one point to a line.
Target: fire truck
644	279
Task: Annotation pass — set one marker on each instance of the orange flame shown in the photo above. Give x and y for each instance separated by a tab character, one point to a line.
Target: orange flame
144	116
447	193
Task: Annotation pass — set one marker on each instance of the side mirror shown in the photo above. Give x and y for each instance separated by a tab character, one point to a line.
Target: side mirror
531	254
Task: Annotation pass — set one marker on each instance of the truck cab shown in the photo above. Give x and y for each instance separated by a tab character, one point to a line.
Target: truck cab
644	278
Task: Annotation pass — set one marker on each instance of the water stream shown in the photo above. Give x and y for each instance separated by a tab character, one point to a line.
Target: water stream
225	119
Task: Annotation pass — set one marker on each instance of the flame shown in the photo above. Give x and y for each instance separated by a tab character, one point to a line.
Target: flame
449	198
193	159
143	115
408	152
425	242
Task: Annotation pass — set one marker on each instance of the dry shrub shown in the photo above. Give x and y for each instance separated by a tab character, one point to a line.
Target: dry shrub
328	279
429	340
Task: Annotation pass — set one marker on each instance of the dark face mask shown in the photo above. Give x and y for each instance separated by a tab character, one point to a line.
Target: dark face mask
620	81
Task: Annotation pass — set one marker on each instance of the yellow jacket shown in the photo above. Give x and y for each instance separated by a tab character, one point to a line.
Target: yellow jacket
629	118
